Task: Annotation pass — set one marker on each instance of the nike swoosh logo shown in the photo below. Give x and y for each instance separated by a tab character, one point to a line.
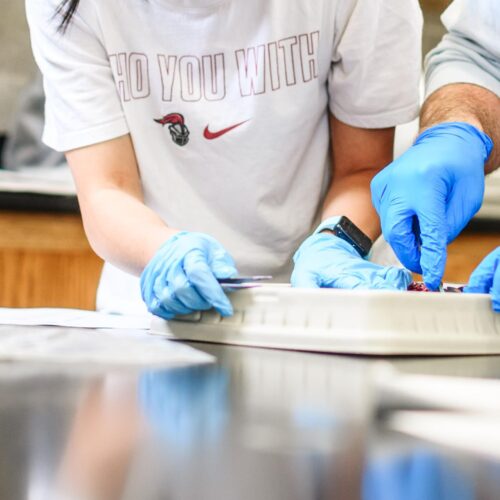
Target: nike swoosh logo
214	135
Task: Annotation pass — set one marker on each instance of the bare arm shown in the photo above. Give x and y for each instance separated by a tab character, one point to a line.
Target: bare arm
120	228
357	156
466	103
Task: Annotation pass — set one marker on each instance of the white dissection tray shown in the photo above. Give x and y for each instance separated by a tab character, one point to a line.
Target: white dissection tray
340	321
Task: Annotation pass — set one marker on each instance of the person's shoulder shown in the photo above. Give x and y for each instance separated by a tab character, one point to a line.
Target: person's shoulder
474	24
52	13
472	14
45	12
52	6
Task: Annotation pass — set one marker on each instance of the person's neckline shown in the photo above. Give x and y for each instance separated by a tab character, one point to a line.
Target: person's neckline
193	5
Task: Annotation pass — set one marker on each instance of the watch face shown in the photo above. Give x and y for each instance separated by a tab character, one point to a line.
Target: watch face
348	231
344	228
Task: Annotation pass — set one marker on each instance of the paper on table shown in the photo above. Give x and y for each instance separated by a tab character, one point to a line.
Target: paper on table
76	318
118	347
41	180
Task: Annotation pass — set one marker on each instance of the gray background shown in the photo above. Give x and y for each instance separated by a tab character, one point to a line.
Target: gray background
16	62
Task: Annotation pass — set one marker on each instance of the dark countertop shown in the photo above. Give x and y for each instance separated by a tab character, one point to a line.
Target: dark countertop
258	424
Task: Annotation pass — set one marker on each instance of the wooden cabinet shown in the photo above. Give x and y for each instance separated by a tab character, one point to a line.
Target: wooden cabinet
466	252
46	261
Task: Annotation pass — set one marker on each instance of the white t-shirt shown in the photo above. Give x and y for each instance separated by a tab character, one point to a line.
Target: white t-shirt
227	105
470	51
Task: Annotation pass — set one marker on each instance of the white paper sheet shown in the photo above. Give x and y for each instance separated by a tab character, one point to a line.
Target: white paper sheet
117	347
75	318
42	180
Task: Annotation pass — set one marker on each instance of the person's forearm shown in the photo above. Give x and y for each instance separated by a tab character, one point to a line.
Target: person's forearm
468	103
357	156
350	196
122	230
120	227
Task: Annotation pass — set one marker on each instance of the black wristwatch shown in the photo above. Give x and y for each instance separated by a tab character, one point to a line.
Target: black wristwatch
344	228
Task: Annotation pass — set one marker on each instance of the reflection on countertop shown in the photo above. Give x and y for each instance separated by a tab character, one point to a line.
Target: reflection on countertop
256	424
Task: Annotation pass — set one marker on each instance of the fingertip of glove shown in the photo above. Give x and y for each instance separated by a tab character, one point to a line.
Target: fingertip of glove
303	282
433	273
433	283
406	251
161	313
496	305
222	305
386	287
396	280
225	311
225	272
475	288
404	279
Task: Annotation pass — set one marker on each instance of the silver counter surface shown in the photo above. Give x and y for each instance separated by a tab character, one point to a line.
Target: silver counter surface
257	424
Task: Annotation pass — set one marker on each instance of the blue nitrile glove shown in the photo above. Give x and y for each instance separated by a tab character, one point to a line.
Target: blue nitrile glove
327	261
182	277
429	194
486	278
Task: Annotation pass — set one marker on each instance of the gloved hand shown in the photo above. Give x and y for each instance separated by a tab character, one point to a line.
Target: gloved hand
486	278
182	276
327	261
428	195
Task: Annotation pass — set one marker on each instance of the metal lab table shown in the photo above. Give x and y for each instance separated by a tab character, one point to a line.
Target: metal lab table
257	424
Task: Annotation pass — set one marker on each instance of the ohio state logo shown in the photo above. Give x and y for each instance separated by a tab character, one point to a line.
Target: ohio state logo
177	128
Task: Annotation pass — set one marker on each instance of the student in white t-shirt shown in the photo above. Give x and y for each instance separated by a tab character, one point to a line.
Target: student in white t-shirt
209	137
